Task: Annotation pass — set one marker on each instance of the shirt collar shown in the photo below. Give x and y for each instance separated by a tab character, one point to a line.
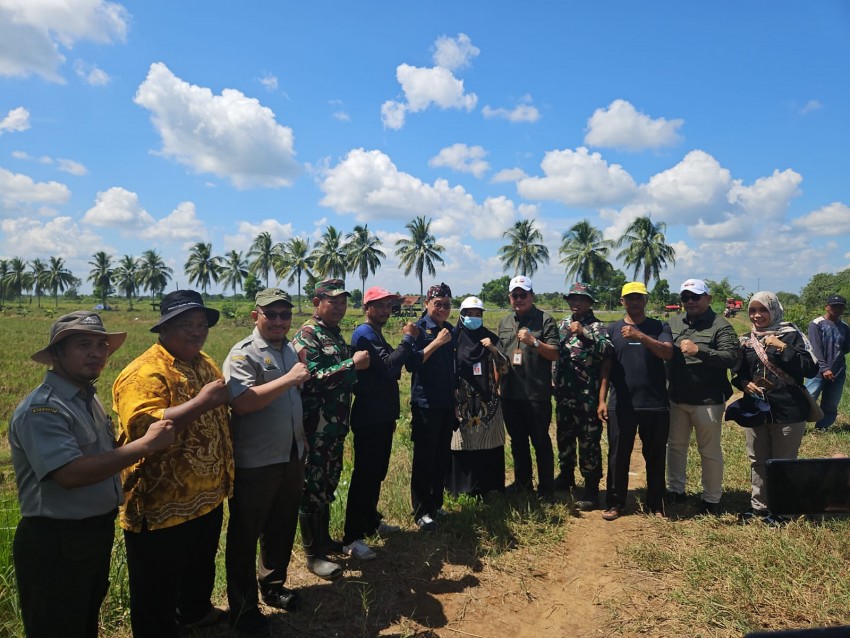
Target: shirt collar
262	343
62	386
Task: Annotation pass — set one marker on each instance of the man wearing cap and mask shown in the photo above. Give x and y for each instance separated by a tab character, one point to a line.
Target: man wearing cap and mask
326	398
705	347
638	401
528	337
373	417
66	468
830	339
172	516
584	346
263	376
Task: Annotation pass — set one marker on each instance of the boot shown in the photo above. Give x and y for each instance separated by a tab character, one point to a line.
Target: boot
329	545
311	536
590	499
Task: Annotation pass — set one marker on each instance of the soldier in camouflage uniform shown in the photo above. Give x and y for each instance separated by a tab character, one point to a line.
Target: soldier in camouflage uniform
584	346
326	400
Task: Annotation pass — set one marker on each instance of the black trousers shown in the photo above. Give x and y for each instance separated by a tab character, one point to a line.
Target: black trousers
653	427
529	421
431	432
62	572
264	508
172	574
373	443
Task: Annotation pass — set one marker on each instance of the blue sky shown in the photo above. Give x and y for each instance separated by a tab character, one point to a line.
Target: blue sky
130	126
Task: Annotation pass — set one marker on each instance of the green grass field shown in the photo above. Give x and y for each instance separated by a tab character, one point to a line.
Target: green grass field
715	577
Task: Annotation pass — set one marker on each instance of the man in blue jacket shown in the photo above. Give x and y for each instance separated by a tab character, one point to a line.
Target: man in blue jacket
830	339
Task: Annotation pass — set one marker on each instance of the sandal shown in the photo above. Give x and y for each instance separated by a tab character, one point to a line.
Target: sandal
612	513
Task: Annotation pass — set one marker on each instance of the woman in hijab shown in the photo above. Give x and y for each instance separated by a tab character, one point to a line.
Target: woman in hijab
478	444
775	356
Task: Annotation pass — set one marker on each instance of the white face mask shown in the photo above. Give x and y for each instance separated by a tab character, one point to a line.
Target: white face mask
472	323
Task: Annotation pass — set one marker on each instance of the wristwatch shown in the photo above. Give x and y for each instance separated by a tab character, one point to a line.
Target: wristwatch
536	343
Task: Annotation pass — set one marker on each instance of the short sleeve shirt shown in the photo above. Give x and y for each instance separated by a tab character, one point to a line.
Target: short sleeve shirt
49	429
195	474
263	437
638	378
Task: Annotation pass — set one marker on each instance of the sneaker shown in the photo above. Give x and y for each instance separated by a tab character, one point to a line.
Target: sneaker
440	513
359	550
776	520
281	598
710	509
426	523
385	529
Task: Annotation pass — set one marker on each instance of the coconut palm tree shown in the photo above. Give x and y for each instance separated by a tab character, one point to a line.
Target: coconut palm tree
234	269
329	258
17	279
57	278
202	267
524	252
420	251
363	253
127	277
153	273
585	252
101	275
264	251
37	271
293	261
4	271
646	248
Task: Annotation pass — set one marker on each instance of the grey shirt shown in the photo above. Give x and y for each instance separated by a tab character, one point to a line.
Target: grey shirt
264	437
49	429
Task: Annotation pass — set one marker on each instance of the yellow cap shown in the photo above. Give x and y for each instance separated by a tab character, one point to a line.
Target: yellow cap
634	287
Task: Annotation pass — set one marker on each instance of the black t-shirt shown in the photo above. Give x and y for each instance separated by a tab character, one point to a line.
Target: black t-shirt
638	380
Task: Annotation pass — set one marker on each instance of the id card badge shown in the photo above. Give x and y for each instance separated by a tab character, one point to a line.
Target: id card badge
517	359
476	369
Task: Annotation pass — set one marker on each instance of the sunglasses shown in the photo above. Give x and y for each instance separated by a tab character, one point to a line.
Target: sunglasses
687	298
271	316
518	295
443	305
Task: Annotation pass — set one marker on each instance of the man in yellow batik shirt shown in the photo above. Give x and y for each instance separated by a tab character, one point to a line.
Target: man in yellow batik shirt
172	513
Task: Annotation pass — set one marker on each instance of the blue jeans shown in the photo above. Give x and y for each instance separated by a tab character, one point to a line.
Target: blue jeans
830	394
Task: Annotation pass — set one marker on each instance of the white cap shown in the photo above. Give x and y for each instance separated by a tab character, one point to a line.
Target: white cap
696	286
520	281
472	302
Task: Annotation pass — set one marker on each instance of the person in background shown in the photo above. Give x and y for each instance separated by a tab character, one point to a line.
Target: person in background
263	376
174	504
478	444
775	356
432	406
528	337
705	347
326	399
584	345
637	402
374	413
830	339
67	472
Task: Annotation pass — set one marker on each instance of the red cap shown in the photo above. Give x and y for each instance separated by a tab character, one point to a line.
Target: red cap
376	292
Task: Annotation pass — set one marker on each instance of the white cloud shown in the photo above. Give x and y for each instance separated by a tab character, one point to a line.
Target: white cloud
72	167
508	175
20	191
246	233
768	197
34	30
393	114
229	135
181	224
578	178
454	53
697	187
810	107
342	116
520	113
622	126
368	184
462	158
59	237
16	120
269	81
91	74
830	220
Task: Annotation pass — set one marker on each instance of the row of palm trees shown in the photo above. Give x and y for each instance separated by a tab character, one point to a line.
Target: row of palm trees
583	249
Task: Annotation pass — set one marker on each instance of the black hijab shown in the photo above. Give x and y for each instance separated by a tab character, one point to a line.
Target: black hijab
469	352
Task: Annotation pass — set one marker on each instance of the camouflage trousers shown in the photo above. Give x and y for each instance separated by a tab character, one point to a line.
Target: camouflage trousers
579	431
322	469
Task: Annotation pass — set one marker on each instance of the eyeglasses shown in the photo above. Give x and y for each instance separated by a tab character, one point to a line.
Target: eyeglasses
687	298
285	315
518	295
443	305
